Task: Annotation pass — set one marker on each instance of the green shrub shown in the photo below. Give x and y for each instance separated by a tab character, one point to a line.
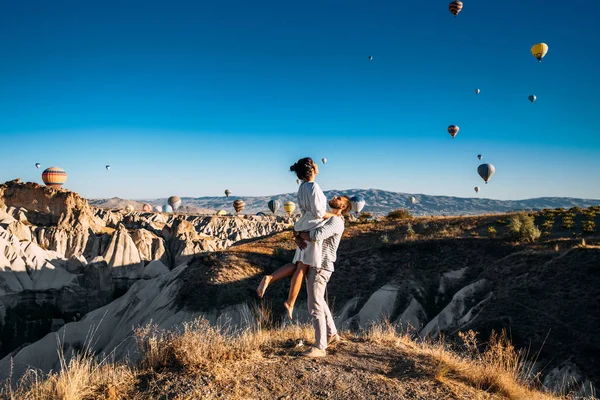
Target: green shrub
491	232
589	226
575	210
401	213
410	232
567	222
501	222
522	228
589	213
548	224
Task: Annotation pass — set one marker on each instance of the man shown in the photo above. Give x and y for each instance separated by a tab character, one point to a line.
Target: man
330	235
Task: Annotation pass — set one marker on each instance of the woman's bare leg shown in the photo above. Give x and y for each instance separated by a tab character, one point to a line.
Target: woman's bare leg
282	272
295	287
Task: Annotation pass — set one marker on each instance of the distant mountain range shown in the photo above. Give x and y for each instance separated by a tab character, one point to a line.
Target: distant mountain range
378	202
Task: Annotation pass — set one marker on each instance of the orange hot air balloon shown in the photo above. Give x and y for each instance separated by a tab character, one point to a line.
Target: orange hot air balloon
54	176
455	7
147	207
453	130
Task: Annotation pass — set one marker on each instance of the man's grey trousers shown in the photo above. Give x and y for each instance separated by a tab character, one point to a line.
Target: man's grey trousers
316	282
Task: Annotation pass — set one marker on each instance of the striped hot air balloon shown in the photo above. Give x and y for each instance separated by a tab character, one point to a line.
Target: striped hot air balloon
455	7
453	130
289	207
239	205
54	176
147	207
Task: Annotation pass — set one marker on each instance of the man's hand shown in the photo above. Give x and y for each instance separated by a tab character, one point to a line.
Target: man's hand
305	236
300	243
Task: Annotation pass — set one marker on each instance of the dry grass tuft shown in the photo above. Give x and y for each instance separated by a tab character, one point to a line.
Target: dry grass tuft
499	369
81	377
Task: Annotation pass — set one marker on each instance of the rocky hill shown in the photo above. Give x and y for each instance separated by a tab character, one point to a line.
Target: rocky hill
111	272
379	202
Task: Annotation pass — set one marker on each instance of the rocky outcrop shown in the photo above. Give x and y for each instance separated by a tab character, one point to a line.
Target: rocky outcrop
113	326
48	205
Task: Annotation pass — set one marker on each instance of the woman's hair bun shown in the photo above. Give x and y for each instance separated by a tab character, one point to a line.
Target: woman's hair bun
293	168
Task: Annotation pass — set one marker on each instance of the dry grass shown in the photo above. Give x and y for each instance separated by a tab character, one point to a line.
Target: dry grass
203	361
82	377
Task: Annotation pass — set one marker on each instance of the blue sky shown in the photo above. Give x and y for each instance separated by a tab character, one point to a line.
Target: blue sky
190	98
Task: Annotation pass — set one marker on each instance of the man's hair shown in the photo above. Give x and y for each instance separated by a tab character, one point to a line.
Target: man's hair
347	205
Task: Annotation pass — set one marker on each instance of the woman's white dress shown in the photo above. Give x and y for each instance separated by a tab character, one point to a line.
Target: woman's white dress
313	205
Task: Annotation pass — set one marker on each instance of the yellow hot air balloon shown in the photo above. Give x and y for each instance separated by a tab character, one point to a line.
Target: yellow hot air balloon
221	212
289	207
539	51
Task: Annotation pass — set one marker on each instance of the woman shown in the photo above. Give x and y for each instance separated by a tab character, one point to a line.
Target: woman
313	205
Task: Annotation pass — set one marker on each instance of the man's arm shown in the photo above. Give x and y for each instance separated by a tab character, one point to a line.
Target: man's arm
334	226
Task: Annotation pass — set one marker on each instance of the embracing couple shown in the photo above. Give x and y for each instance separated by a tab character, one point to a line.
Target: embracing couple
317	235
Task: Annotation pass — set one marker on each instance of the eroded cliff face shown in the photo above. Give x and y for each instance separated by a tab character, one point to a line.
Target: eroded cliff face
61	258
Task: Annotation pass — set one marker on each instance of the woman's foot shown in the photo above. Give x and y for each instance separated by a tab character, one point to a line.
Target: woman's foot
290	309
260	291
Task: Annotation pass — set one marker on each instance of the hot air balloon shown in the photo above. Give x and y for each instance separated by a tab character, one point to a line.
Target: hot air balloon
298	181
147	207
167	208
108	167
539	50
129	208
532	98
453	130
158	209
239	205
479	156
370	58
174	202
289	207
476	189
227	192
38	165
358	203
477	91
54	176
274	205
324	160
221	213
261	214
455	7
486	171
412	199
